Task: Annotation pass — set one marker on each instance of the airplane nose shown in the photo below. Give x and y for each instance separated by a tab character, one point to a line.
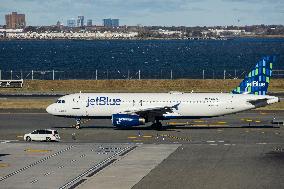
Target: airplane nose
49	109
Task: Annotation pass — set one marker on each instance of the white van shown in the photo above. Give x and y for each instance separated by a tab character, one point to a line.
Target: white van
42	135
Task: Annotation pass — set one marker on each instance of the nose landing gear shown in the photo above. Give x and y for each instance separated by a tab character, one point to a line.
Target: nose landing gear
78	123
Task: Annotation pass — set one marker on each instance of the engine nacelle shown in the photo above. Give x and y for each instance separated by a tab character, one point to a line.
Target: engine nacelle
126	120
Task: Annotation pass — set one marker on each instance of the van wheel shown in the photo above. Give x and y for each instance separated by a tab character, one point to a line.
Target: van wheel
48	139
28	139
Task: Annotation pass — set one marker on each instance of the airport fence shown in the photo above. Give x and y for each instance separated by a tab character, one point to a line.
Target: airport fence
127	74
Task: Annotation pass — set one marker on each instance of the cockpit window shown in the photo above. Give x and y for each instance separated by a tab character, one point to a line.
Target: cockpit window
60	101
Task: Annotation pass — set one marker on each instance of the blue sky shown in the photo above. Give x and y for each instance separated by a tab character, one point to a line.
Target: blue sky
150	12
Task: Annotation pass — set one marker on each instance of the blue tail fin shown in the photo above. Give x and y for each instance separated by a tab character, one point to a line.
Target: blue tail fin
257	81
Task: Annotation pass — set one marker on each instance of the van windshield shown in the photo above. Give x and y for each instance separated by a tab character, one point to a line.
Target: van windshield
35	132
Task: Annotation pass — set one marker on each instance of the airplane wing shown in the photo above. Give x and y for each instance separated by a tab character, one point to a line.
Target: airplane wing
151	113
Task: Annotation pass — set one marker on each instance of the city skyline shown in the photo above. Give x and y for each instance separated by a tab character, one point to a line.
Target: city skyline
146	12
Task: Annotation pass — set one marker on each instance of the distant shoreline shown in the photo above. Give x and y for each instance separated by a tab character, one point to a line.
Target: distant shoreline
150	38
263	36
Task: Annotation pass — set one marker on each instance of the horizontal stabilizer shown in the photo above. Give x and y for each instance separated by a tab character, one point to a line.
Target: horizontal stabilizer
259	102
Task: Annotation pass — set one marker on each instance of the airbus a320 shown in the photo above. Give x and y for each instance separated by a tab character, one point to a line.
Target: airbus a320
134	109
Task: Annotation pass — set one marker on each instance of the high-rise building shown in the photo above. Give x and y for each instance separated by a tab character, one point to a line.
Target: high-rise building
71	23
111	22
107	22
115	23
89	22
15	21
80	21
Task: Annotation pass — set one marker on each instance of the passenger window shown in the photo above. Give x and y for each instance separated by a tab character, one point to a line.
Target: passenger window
48	132
41	132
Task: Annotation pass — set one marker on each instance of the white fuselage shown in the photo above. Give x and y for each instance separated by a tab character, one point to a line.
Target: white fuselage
190	105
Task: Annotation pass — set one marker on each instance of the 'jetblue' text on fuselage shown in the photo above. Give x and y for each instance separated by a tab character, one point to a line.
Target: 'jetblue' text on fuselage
103	100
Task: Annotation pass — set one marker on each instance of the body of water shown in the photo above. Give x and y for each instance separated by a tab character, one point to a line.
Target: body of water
120	59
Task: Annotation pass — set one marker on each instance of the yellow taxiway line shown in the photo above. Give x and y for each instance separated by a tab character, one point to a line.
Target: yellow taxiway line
222	122
199	121
132	137
147	136
36	150
3	165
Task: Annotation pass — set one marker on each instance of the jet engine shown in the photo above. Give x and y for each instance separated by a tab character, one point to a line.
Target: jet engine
126	120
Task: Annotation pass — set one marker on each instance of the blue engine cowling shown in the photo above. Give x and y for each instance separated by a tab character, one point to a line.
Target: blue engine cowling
126	120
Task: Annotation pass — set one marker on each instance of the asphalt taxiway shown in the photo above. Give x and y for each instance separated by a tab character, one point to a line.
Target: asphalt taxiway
15	124
235	151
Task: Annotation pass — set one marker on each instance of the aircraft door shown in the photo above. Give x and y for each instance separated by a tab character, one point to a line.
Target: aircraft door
77	106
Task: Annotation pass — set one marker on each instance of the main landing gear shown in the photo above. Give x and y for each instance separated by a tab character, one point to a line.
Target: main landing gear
157	125
78	123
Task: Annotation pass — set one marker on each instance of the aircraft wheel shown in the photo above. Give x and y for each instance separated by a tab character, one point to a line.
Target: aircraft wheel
48	139
157	126
77	127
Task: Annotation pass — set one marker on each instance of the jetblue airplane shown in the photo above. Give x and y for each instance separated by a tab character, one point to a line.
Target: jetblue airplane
134	109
